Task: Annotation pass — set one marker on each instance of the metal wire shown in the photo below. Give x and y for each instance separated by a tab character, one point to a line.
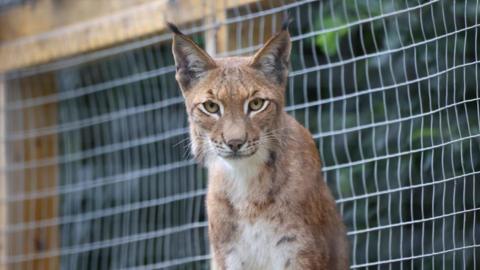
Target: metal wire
389	90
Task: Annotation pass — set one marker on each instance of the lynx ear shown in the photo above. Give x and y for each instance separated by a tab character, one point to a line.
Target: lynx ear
273	59
190	60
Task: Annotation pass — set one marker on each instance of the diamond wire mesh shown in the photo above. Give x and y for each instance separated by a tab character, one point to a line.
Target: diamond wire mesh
389	90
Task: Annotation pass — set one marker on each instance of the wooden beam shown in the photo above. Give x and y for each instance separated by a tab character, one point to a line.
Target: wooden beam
40	16
216	38
3	182
126	24
26	239
248	33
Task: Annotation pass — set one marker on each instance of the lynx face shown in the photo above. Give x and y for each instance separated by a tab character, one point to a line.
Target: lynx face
234	104
230	118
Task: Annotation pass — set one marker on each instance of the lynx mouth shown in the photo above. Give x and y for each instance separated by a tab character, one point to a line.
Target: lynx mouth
237	156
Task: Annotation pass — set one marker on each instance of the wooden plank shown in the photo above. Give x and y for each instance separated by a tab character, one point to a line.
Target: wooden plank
215	38
248	33
40	16
3	182
126	24
27	241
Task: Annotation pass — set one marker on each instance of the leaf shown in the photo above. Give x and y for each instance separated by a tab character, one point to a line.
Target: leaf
328	42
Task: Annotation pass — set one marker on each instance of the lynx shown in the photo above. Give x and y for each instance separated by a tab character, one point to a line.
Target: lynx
267	204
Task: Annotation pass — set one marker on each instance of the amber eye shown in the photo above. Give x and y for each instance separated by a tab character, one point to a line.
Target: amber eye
211	107
256	104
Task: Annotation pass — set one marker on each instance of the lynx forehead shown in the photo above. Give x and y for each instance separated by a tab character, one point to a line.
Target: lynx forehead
268	206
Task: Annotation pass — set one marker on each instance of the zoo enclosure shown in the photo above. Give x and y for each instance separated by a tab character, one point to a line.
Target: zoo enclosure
94	170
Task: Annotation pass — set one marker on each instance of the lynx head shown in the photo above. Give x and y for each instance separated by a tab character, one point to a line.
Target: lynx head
234	104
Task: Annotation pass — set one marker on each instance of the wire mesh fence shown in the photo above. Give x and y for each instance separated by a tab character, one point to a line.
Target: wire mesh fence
97	171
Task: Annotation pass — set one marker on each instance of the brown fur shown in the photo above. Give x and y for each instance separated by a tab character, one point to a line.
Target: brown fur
282	180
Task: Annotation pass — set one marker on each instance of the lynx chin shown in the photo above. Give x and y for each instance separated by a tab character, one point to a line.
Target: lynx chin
268	206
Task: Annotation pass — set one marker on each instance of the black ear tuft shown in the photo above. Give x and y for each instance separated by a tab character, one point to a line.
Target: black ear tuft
273	59
174	28
286	22
191	62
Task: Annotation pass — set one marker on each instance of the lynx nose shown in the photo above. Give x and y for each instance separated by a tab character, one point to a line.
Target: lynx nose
235	144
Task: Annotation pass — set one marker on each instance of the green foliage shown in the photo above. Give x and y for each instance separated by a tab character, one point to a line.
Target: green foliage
329	41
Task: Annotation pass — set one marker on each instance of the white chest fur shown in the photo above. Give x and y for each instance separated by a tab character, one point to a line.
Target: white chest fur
240	175
260	246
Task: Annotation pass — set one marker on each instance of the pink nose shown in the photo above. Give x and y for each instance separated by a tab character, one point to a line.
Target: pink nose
235	144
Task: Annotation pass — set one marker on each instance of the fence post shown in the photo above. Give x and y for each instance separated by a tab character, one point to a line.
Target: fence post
3	180
220	40
33	208
215	38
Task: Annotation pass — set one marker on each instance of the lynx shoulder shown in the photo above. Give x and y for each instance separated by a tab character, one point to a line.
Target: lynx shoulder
268	205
